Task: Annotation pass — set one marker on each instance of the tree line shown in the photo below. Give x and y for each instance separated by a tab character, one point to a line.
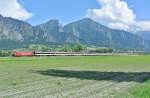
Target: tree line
63	48
69	48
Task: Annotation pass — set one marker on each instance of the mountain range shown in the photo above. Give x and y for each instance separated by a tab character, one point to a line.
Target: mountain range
18	34
144	34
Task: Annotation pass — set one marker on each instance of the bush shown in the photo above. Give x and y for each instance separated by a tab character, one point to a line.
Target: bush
104	50
4	53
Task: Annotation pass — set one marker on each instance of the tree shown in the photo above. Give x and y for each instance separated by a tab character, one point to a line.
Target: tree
110	50
78	48
43	48
99	50
104	50
64	49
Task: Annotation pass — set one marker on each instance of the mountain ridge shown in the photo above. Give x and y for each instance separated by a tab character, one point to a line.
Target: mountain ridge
144	34
16	34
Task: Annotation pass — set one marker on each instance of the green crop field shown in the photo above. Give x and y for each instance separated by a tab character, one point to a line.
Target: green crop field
75	77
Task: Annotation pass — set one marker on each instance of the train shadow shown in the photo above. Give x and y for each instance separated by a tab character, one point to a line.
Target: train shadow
140	77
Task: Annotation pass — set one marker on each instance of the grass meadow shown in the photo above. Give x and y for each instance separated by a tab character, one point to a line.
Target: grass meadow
75	77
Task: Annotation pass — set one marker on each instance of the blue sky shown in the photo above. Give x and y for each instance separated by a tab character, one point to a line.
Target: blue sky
69	10
130	15
64	10
141	8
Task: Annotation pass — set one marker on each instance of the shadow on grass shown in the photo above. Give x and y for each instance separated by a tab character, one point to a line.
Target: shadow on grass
96	75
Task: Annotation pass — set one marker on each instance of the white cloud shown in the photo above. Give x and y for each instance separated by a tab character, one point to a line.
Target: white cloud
12	8
117	15
143	26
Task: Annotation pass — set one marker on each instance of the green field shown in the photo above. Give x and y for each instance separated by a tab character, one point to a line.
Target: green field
75	77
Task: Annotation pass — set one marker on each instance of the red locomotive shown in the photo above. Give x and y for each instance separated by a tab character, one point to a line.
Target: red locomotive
20	54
